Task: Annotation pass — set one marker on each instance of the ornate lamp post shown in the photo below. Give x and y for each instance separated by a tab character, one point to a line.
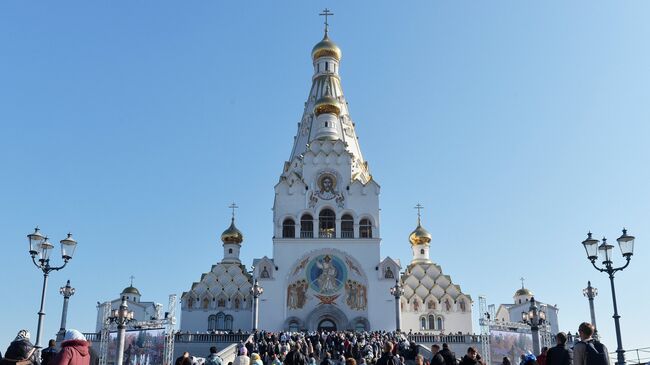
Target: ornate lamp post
67	291
590	292
121	316
604	250
397	291
535	318
40	248
256	291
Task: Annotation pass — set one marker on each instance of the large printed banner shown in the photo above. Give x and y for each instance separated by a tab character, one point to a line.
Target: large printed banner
141	347
509	344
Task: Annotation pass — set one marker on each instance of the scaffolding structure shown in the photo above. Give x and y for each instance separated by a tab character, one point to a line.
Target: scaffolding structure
170	324
484	322
105	334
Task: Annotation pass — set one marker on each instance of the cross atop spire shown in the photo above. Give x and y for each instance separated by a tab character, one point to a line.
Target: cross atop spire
131	277
326	12
522	281
419	207
233	206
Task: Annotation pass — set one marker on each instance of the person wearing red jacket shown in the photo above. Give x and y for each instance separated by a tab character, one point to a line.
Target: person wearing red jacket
74	350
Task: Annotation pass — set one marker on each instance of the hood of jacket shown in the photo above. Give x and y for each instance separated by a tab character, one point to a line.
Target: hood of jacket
80	345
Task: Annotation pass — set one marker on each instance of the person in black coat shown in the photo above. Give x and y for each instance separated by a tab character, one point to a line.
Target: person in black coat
450	357
20	349
437	358
560	354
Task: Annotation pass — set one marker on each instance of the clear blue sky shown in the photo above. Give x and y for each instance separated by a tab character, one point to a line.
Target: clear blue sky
518	125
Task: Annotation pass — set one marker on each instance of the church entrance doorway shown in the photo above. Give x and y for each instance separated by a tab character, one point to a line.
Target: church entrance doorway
326	325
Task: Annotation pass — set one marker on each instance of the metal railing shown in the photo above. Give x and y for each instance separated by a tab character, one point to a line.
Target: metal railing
210	338
347	234
306	234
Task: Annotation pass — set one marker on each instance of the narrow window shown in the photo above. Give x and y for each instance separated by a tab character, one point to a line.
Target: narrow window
326	224
365	228
347	226
306	226
432	322
327	66
288	228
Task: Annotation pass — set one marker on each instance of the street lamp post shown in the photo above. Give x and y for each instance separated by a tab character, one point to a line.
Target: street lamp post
604	250
67	291
121	316
535	318
397	291
590	292
41	247
256	291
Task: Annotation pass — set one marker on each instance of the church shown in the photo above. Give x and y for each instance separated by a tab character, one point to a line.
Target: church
327	271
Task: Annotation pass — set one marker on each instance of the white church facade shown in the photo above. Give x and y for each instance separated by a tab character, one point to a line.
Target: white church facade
327	271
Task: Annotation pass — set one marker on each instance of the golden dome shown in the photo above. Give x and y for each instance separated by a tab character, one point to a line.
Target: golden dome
326	48
420	236
523	291
232	234
327	104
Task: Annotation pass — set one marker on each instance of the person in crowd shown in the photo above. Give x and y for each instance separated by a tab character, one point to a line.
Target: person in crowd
437	358
419	359
74	350
275	360
256	359
560	354
448	355
327	359
470	358
529	359
387	357
242	358
541	358
295	356
20	350
213	358
505	361
588	351
48	354
181	359
311	360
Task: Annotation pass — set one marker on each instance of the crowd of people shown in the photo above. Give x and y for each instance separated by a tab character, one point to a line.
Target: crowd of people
319	348
74	350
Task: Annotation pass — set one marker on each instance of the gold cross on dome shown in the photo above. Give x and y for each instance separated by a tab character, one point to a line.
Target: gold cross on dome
522	281
131	277
233	206
326	12
419	207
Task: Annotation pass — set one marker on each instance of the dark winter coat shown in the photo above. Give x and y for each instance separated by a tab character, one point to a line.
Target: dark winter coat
437	359
48	355
450	357
466	360
388	358
73	352
559	355
20	352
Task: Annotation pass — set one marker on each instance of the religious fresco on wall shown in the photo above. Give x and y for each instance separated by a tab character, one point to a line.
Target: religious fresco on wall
330	278
326	274
296	294
356	295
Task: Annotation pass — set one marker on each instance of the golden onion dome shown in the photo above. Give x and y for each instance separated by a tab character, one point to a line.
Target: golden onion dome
326	48
327	104
523	291
420	236
232	234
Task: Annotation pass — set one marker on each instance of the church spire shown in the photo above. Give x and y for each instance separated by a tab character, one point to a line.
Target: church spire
326	116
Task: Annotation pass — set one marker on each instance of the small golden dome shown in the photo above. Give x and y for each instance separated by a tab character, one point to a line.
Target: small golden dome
327	104
326	48
232	234
523	291
420	236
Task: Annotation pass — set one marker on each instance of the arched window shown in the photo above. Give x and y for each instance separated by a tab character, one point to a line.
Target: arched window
347	226
423	323
294	326
212	323
228	323
432	322
365	228
440	324
220	320
326	224
288	228
421	251
306	226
